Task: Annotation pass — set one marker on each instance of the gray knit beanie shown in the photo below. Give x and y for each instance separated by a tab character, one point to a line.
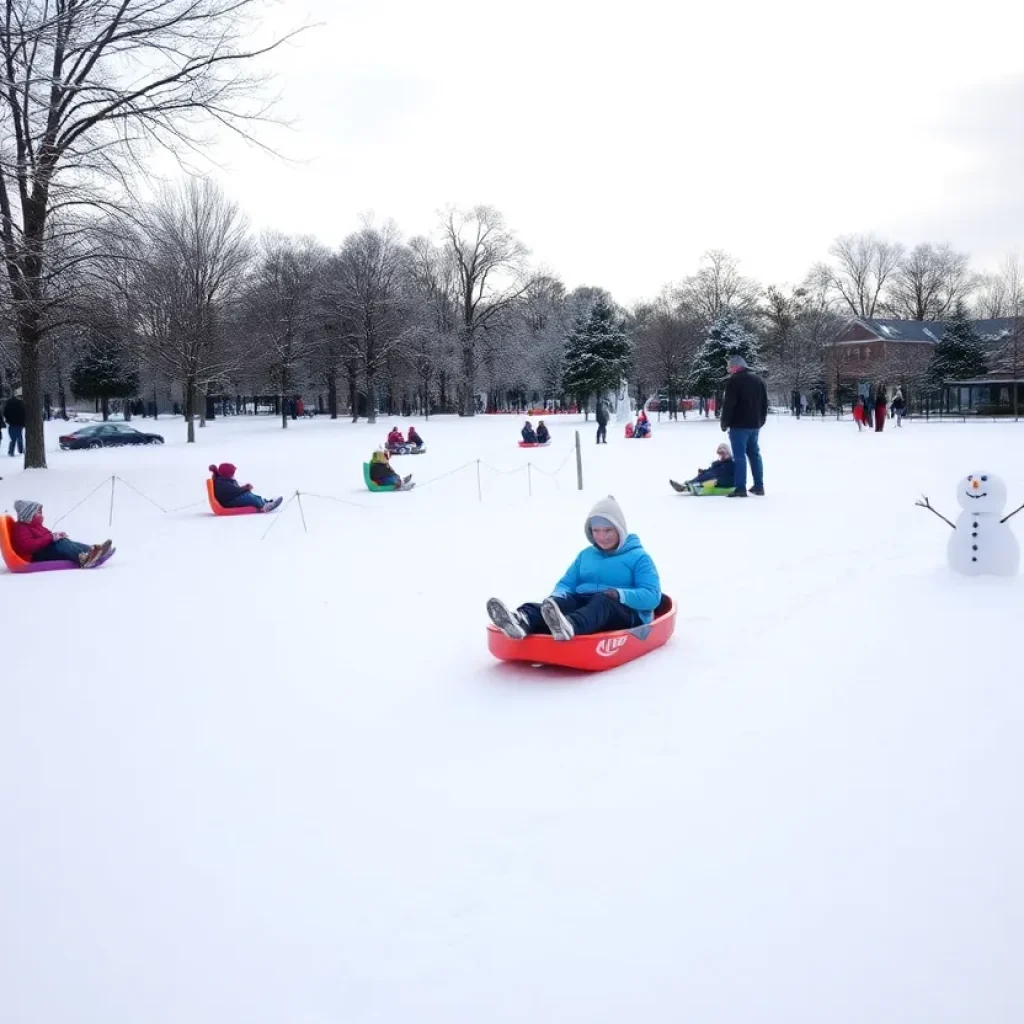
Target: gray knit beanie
26	511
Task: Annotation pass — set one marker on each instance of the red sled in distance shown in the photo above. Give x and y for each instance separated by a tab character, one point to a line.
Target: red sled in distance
595	652
533	444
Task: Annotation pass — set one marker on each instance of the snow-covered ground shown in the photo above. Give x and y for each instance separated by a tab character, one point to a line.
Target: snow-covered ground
279	780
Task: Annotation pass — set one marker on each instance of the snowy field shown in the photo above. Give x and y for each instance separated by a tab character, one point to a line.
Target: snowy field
278	779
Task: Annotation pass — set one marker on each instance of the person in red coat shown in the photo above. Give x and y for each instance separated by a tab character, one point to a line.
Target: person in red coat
858	414
35	543
395	438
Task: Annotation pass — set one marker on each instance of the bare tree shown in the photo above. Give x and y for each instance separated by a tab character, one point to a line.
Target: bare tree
489	265
863	267
364	289
88	86
928	283
281	308
1010	355
716	287
194	251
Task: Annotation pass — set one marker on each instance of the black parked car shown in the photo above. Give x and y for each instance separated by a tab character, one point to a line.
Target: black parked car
105	435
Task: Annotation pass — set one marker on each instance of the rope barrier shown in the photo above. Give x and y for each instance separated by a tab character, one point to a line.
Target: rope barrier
528	468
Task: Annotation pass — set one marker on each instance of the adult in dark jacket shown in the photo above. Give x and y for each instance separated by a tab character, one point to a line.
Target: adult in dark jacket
899	406
542	433
16	416
602	423
529	434
744	413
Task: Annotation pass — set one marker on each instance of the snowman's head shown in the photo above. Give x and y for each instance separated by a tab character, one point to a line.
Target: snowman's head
981	493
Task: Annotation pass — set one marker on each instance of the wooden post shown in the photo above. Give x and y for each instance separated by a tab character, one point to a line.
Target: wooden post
579	463
529	478
302	512
113	484
479	489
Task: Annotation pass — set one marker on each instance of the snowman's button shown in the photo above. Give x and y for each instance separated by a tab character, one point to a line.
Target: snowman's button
974	547
973	559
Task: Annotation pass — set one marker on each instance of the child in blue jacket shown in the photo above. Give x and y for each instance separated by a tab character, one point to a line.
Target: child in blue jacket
611	585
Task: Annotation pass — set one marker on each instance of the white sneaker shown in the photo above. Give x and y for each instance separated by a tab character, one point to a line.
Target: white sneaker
561	628
510	623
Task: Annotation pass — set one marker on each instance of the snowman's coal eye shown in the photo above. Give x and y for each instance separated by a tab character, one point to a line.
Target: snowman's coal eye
984	478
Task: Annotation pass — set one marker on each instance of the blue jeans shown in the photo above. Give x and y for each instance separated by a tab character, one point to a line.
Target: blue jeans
745	446
16	435
248	499
61	551
588	613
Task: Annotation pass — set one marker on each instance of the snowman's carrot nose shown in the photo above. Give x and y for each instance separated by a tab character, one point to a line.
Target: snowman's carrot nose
975	484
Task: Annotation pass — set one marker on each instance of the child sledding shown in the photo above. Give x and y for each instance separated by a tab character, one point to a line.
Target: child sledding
642	428
32	542
611	585
380	476
718	478
229	494
538	438
398	445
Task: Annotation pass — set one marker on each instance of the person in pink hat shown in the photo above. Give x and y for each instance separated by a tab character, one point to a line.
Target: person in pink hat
231	494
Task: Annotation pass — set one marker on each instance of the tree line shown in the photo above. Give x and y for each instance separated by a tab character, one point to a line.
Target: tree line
111	297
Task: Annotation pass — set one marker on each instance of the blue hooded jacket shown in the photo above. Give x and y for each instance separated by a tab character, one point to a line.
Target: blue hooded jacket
628	569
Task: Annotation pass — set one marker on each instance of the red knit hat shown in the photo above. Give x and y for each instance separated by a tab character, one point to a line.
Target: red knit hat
225	469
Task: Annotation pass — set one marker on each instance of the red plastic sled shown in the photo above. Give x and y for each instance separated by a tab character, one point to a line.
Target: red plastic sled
15	562
220	510
594	653
533	444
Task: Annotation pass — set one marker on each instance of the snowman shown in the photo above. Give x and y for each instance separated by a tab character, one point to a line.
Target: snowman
982	543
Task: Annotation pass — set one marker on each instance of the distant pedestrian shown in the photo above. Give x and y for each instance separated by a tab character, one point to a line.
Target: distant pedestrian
880	412
16	415
744	413
899	405
858	414
602	422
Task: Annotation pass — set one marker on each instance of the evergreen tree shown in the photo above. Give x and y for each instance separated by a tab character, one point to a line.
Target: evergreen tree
597	355
959	355
102	372
726	337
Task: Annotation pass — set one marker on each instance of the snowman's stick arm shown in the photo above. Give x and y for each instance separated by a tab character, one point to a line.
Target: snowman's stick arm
925	503
1012	514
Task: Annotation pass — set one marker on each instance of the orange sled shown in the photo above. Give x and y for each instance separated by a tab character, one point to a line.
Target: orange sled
220	510
592	653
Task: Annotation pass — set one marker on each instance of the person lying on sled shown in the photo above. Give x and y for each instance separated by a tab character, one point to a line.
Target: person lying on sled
231	494
721	472
612	584
529	435
383	474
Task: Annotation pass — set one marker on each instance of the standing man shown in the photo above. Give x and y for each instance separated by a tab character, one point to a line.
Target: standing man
602	422
15	414
744	413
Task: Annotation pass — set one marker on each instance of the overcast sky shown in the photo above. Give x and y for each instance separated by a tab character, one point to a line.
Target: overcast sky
623	140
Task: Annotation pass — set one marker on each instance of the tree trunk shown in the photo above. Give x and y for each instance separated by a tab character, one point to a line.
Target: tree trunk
468	382
371	401
190	404
30	338
332	394
127	410
105	407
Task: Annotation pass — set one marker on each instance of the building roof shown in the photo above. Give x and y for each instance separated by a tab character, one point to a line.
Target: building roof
928	332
